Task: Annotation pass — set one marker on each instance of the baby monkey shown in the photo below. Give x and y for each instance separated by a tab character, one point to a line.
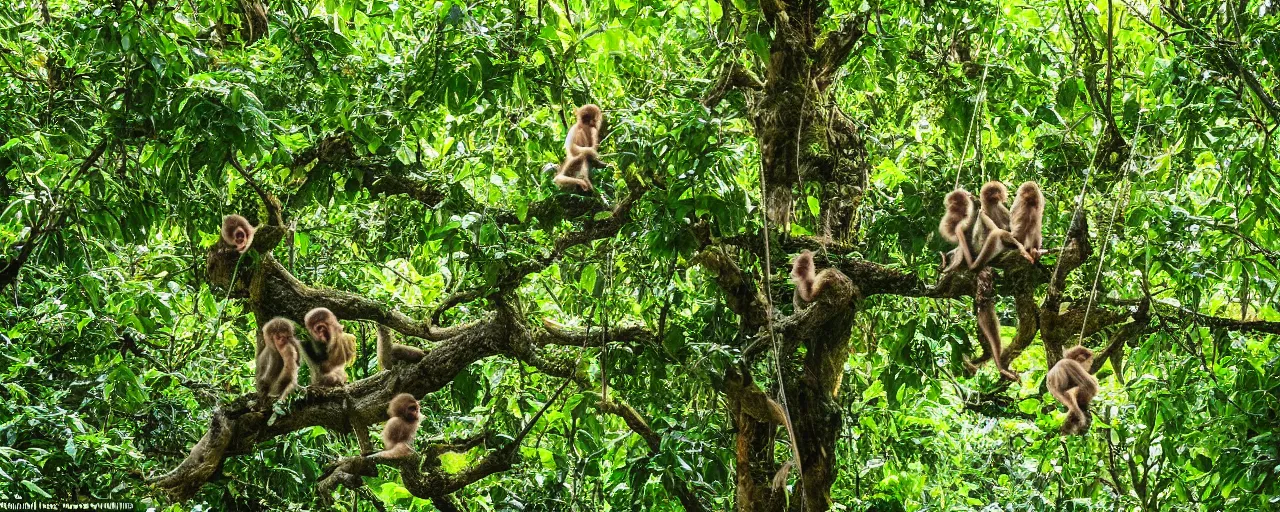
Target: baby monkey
237	232
1070	382
397	436
580	149
276	366
330	350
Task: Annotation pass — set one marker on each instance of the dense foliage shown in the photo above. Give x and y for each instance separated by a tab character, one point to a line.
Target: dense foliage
401	147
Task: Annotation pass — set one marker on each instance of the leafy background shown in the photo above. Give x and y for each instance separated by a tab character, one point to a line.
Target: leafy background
117	119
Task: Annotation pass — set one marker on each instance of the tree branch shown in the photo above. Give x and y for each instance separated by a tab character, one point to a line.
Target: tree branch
637	424
834	52
1181	316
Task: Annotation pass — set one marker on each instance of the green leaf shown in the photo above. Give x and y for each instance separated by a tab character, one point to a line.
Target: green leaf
35	488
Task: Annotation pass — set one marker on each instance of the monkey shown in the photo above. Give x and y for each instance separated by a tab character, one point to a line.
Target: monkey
1028	219
237	232
331	349
276	366
957	222
992	219
992	198
580	149
391	353
1069	381
808	283
397	436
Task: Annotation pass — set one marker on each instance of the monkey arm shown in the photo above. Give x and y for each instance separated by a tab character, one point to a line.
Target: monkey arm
965	252
568	182
1060	394
287	379
588	151
315	354
391	353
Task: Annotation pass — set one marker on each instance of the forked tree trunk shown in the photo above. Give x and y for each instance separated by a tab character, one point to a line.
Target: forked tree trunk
805	140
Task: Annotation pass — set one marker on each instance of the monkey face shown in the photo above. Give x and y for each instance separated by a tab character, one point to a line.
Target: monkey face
1030	193
1080	353
282	340
411	412
589	115
323	325
404	406
278	327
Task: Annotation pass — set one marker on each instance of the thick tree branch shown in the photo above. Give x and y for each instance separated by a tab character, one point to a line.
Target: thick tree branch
745	394
457	445
741	294
390	177
733	76
834	52
241	425
556	334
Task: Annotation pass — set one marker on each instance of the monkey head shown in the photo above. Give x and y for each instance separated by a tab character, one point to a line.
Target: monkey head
237	232
1029	193
1080	353
993	193
959	203
403	406
278	331
590	115
323	325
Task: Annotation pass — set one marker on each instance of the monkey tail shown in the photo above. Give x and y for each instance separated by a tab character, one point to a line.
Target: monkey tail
384	347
